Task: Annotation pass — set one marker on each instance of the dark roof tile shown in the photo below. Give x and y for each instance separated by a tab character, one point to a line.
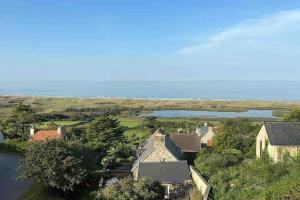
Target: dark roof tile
283	133
165	172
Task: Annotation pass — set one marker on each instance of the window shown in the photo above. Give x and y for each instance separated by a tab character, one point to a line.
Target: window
260	148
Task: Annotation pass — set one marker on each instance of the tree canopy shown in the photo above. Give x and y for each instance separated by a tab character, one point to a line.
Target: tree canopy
104	132
293	116
127	189
19	121
53	163
233	143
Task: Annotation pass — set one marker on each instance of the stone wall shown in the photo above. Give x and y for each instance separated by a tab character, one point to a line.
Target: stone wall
200	182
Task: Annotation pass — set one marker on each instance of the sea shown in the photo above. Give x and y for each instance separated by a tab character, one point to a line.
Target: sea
202	90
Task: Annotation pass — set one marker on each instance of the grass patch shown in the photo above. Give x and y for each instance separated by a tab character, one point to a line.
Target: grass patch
135	132
59	123
37	192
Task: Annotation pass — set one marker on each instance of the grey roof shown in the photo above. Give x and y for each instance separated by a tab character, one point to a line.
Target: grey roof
165	172
203	130
283	133
149	147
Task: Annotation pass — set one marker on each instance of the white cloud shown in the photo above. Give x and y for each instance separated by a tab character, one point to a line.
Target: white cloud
262	35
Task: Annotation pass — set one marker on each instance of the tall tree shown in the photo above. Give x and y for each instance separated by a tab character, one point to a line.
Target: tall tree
19	121
54	163
104	132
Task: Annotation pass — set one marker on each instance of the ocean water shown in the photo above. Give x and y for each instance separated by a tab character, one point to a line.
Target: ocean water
225	90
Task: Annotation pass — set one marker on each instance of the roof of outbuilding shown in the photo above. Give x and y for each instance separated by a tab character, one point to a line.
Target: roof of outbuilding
186	142
283	133
165	172
43	135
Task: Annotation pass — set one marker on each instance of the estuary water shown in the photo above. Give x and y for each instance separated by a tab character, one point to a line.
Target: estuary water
266	114
225	90
10	188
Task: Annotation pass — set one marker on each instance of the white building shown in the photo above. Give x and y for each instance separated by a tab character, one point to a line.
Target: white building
206	134
278	138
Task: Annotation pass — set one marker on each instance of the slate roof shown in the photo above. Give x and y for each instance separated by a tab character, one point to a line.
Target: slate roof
186	142
149	147
43	135
203	130
283	133
165	172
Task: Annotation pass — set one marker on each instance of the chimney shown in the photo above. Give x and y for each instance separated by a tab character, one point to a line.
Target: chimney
59	131
159	140
32	131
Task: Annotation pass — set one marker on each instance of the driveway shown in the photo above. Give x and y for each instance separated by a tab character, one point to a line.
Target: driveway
10	189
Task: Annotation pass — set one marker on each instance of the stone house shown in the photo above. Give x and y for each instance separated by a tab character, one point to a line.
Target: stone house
160	159
206	133
278	138
43	135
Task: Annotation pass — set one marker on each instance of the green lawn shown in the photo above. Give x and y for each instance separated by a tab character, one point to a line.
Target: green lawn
135	132
60	123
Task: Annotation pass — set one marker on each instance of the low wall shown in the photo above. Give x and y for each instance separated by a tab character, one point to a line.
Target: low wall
200	182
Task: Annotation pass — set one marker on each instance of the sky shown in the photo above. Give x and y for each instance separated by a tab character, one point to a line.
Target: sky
134	40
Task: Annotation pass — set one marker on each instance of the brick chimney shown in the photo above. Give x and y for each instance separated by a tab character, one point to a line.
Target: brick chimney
59	132
32	131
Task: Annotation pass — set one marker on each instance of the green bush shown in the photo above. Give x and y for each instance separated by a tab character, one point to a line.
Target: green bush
14	146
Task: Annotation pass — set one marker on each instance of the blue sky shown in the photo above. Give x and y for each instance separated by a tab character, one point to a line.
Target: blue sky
116	40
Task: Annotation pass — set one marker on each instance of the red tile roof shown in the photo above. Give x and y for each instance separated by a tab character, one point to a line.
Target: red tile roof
43	135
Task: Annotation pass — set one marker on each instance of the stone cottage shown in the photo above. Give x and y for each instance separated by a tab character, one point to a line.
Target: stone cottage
43	135
278	138
206	133
161	160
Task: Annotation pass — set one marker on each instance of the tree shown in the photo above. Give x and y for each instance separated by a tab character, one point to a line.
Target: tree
150	122
115	155
104	132
236	134
54	163
19	121
127	189
293	116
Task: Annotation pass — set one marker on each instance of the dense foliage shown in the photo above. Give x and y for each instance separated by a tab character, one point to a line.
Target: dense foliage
54	163
19	121
104	132
127	189
234	173
293	116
